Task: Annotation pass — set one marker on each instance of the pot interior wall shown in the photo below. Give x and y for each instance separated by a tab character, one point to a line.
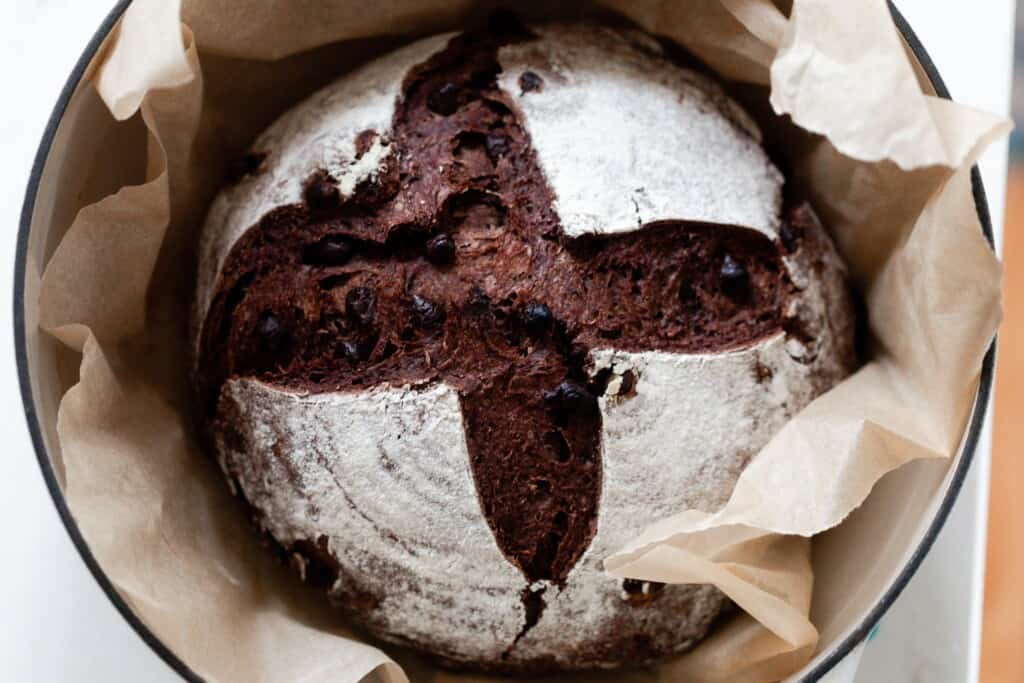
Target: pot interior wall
858	561
75	175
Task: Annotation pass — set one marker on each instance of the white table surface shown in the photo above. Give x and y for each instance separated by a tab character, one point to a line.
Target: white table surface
57	625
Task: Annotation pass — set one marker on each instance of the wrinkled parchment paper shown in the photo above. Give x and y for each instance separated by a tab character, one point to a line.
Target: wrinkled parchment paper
887	167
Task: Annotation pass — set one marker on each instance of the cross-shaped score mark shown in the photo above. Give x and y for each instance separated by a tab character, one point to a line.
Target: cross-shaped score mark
450	267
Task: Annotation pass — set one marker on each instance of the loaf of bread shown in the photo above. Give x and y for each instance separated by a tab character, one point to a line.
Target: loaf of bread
474	315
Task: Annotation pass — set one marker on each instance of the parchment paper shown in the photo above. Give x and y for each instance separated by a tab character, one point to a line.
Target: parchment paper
886	166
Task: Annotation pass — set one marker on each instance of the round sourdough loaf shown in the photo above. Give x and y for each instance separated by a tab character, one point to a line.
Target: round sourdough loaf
471	317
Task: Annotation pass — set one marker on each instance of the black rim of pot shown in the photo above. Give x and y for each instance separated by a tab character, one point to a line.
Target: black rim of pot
827	663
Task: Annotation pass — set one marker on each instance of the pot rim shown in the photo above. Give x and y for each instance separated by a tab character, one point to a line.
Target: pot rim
827	663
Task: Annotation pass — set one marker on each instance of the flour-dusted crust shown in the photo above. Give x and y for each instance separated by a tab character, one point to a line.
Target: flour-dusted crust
318	135
387	413
624	141
384	477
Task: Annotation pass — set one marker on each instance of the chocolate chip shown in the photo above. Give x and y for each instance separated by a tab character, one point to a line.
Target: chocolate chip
572	399
735	279
478	301
321	194
244	165
497	146
426	314
350	351
444	99
333	250
441	249
530	82
269	328
537	319
360	303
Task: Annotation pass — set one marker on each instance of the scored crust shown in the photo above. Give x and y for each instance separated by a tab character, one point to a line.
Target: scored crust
385	408
608	174
625	142
319	134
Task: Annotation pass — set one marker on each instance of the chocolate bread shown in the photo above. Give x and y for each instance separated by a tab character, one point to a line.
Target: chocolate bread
473	316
